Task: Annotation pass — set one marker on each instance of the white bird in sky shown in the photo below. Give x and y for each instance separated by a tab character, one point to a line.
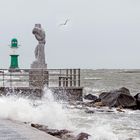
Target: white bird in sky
65	23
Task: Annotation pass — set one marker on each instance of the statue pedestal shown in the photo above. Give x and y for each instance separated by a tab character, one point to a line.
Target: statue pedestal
38	78
38	65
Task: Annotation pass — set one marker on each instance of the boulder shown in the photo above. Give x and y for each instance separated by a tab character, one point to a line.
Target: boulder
116	98
137	97
82	136
90	97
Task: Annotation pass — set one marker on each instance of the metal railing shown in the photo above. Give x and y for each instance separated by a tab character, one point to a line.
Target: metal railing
48	77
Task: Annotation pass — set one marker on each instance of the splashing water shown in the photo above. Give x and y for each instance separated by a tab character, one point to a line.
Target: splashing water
45	111
53	114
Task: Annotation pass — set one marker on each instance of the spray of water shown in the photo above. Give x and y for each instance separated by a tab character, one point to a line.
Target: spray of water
48	112
45	111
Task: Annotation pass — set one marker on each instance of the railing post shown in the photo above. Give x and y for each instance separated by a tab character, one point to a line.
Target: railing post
59	81
67	73
10	79
70	77
79	75
74	76
3	78
60	77
64	83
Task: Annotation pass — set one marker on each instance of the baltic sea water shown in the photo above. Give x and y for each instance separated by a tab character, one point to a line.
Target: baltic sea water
101	125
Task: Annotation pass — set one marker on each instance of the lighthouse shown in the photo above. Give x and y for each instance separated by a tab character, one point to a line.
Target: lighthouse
14	54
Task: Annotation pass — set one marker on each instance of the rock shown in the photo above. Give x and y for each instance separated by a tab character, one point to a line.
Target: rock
90	104
120	97
100	104
53	132
100	110
137	97
82	136
62	134
40	127
91	97
26	122
89	111
129	139
110	111
120	110
68	136
57	133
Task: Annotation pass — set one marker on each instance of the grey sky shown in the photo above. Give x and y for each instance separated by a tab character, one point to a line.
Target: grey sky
100	33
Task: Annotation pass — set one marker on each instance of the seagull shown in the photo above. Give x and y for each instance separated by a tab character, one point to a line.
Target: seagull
65	23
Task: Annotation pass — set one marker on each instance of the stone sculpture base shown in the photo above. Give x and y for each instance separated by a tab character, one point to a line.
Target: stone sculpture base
38	65
38	78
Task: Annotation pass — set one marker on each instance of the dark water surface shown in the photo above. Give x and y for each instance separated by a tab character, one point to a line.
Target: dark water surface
104	80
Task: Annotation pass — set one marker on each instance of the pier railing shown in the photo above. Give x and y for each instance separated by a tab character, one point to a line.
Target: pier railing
48	77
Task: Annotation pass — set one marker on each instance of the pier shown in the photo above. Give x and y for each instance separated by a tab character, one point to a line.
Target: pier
64	83
13	130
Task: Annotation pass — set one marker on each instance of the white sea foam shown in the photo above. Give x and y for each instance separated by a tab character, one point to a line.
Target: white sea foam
45	111
48	112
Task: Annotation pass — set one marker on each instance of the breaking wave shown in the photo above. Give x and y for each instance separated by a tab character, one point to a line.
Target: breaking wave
56	115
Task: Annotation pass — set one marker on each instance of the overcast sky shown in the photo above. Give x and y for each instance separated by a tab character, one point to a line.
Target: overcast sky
99	34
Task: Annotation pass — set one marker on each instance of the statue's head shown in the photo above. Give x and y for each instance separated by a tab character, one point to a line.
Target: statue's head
38	25
39	33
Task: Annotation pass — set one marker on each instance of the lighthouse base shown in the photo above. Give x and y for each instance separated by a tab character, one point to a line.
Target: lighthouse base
14	62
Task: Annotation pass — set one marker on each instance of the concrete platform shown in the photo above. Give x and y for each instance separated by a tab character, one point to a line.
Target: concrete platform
60	93
12	130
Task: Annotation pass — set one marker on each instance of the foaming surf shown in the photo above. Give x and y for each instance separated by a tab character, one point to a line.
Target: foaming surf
46	111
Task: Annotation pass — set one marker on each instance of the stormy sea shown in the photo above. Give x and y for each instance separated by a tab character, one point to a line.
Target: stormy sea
101	125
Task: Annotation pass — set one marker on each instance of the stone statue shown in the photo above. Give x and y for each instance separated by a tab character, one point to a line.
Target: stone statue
39	50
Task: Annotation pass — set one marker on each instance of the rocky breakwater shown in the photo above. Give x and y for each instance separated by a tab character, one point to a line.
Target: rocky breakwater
61	134
119	99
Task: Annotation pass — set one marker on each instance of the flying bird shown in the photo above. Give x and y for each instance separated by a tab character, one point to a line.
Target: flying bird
65	23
